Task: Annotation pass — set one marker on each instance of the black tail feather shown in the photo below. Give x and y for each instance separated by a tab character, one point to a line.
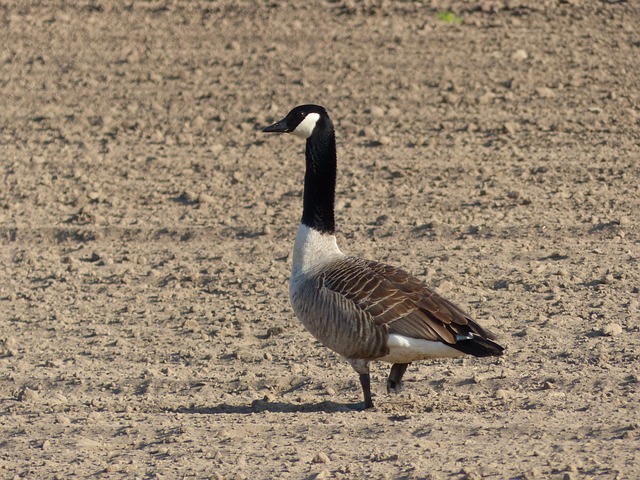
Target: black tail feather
479	347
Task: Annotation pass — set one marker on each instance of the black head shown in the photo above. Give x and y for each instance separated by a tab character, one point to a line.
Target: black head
302	121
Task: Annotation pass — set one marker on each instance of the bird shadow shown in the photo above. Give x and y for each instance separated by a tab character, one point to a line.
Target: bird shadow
260	406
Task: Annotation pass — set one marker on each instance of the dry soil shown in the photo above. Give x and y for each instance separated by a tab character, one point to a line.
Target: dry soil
146	227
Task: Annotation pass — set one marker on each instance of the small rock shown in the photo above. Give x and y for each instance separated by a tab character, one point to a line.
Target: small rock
88	444
611	330
445	286
573	468
470	474
545	92
216	148
510	127
62	419
486	98
321	475
519	55
513	194
58	399
502	394
94	417
478	378
28	395
198	122
533	474
203	198
376	111
190	196
321	457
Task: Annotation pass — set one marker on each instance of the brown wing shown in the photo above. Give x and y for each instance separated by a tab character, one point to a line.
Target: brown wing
393	297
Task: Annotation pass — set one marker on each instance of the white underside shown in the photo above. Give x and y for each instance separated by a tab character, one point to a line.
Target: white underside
406	350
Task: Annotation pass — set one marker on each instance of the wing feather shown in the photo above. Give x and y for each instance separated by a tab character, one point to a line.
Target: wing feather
394	298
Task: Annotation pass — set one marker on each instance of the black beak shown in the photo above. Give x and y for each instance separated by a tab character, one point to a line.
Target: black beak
278	127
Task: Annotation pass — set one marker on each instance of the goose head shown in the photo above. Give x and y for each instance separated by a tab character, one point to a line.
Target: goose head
303	121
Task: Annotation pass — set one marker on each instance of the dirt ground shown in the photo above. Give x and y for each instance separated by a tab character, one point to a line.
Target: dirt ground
147	226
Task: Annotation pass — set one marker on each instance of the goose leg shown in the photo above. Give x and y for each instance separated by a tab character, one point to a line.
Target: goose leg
365	381
362	368
395	377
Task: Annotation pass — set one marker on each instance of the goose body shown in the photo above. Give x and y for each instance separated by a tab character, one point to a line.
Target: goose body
361	309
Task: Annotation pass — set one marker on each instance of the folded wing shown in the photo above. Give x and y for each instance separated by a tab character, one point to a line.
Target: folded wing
406	306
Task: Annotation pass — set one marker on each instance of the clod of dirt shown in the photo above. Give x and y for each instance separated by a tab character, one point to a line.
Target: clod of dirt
28	395
321	457
611	330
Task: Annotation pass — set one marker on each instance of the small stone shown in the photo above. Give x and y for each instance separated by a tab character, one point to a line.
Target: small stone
28	395
62	419
216	148
198	122
611	329
58	399
519	55
321	457
477	378
203	198
502	394
376	111
46	445
510	127
470	474
94	417
533	474
486	98
321	475
545	92
190	196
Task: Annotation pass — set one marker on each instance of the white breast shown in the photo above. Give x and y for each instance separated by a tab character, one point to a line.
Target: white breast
312	250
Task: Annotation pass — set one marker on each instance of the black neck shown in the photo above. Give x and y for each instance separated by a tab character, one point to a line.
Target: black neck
320	181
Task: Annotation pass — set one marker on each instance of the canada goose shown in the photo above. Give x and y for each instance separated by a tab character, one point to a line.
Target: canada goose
361	309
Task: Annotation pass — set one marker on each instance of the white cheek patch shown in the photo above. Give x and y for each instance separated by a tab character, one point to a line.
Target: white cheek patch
306	126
